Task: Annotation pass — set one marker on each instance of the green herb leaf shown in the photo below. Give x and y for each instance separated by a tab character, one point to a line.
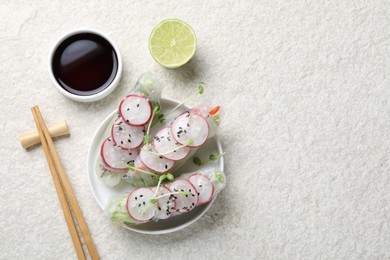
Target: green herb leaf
220	177
147	139
197	161
217	119
161	118
156	107
170	177
200	89
213	157
153	201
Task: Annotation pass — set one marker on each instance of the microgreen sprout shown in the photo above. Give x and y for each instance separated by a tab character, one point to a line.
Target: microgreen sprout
133	168
161	117
220	177
212	158
154	201
189	142
198	92
150	203
217	119
147	137
168	176
197	161
174	193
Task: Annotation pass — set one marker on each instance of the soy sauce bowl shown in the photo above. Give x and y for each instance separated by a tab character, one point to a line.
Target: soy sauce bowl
80	63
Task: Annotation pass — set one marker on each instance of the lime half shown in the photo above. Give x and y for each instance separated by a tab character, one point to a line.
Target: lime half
172	43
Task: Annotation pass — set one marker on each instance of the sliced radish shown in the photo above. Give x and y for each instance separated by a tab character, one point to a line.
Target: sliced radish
138	205
166	205
126	136
184	203
116	158
204	187
155	162
135	110
164	142
190	127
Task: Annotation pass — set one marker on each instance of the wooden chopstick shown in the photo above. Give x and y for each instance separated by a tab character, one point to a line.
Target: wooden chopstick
61	195
56	169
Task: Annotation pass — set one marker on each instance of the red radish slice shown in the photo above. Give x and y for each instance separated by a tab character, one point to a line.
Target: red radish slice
164	142
190	127
116	158
138	205
184	203
126	136
165	205
204	187
155	162
135	110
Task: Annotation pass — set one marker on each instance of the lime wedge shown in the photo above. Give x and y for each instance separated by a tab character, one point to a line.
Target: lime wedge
172	43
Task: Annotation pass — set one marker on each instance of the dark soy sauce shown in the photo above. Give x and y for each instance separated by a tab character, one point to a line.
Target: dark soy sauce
85	64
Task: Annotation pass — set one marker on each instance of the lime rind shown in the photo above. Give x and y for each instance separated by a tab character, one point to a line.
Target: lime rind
172	43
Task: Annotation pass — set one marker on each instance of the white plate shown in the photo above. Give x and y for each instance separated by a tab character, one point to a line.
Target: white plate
103	193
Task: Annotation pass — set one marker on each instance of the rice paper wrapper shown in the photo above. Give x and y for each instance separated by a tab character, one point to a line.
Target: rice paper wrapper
148	86
116	210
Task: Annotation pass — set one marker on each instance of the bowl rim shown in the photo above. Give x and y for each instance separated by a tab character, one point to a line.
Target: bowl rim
96	96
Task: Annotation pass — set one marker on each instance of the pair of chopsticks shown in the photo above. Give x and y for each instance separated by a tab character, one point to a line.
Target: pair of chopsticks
64	191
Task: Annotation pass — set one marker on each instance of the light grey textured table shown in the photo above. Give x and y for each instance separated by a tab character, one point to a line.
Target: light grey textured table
305	89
